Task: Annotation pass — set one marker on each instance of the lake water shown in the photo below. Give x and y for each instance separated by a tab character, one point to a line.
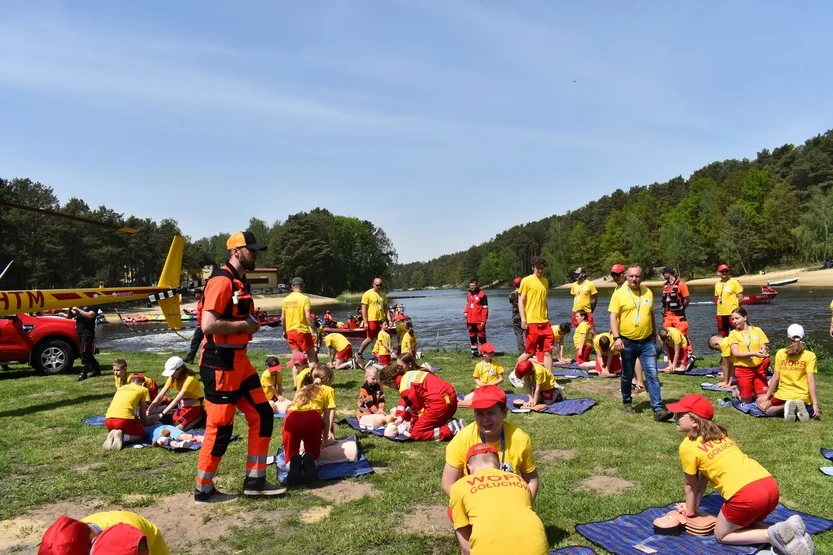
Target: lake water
438	319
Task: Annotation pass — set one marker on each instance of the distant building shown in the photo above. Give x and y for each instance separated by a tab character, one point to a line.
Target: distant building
262	280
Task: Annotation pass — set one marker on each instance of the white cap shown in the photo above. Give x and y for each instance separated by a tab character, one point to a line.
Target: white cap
795	330
171	365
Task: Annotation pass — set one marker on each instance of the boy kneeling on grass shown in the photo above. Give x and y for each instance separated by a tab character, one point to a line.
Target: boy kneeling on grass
107	533
121	417
481	502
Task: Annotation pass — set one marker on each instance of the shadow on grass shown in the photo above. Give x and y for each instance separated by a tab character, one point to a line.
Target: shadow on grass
555	534
18	374
31	409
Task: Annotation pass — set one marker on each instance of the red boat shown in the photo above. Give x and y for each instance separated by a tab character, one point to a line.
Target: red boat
347	332
767	295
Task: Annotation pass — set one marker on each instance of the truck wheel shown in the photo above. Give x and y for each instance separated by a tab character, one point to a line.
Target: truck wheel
52	357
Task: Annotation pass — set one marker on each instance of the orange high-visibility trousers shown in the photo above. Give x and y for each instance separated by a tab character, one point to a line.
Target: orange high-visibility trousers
230	383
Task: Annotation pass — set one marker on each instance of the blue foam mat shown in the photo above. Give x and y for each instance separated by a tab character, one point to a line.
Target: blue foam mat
621	534
714	387
827	453
359	467
576	372
749	408
574	550
98	421
353	422
567	407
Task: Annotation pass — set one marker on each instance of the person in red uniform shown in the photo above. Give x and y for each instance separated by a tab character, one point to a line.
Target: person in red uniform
675	299
476	313
196	341
228	377
426	402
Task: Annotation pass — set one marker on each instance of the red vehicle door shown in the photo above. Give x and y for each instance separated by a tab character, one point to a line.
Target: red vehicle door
13	342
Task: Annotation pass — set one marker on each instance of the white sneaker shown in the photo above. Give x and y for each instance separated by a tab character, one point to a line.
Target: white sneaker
801	411
118	440
185	445
789	411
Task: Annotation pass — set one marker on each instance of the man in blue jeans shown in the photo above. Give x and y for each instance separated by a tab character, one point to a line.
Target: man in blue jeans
633	328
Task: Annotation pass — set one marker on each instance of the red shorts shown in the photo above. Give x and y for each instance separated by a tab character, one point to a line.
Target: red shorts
724	325
589	319
373	329
752	503
548	396
615	364
345	354
539	338
130	427
384	359
583	354
306	426
299	341
187	416
751	381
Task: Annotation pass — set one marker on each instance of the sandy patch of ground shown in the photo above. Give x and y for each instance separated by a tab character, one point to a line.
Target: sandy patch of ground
551	455
600	470
344	491
428	519
608	387
380	468
45	394
87	468
316	514
815	278
604	485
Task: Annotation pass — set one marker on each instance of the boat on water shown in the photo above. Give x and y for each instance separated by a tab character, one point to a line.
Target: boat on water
347	332
781	282
767	295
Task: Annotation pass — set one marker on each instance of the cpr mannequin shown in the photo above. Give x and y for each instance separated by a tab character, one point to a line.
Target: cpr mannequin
182	441
518	403
373	421
280	407
340	450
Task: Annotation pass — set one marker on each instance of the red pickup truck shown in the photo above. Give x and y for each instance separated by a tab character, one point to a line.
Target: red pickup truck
47	343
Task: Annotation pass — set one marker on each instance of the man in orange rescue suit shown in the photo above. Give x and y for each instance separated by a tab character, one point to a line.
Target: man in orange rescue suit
229	379
675	299
476	313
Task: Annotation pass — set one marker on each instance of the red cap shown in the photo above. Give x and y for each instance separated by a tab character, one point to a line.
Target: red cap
487	396
617	269
273	364
693	403
523	368
298	358
722	267
66	536
579	271
516	282
121	539
480	449
487	348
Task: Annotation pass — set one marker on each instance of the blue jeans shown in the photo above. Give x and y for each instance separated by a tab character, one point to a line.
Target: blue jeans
646	352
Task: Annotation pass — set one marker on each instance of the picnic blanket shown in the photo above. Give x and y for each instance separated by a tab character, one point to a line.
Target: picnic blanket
153	432
827	453
577	372
353	422
708	386
574	550
622	534
335	471
702	372
567	407
748	408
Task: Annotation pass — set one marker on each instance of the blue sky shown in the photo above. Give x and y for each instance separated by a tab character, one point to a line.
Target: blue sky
442	121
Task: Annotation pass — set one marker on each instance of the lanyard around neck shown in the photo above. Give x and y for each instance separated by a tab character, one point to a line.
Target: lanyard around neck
502	444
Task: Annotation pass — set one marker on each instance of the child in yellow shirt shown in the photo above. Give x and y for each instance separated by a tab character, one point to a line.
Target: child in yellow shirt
539	384
793	384
488	371
583	337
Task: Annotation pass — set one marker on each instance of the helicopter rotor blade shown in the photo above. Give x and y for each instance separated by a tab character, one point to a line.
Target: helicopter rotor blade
117	227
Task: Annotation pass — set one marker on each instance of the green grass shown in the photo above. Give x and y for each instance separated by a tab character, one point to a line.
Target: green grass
44	447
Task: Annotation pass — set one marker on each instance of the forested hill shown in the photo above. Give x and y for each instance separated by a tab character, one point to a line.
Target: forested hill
775	209
332	253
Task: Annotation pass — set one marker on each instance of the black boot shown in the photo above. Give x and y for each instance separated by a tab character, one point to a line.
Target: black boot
83	375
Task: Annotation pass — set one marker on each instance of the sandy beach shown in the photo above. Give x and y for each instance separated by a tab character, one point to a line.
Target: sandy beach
806	277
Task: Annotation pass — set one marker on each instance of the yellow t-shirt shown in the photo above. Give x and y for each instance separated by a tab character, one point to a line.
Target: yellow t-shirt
191	385
793	370
484	500
268	380
725	348
722	462
749	341
518	457
582	328
294	309
488	372
118	383
156	544
677	338
408	343
376	305
634	310
557	335
383	344
543	377
400	331
336	341
598	347
534	291
326	399
727	295
127	400
299	379
582	294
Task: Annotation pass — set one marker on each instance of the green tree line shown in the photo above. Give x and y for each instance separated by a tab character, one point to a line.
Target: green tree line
752	214
332	253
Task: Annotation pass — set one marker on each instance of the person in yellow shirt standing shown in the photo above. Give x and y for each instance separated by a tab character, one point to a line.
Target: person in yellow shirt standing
298	322
479	510
710	457
633	327
535	320
793	384
728	294
374	308
585	297
383	348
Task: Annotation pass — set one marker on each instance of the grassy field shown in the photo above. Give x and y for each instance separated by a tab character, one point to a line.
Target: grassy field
592	467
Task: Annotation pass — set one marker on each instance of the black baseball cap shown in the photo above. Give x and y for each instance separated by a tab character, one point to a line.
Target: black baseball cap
244	239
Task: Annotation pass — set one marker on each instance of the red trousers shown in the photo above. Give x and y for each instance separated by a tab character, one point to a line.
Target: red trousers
583	354
302	425
231	383
130	427
431	425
